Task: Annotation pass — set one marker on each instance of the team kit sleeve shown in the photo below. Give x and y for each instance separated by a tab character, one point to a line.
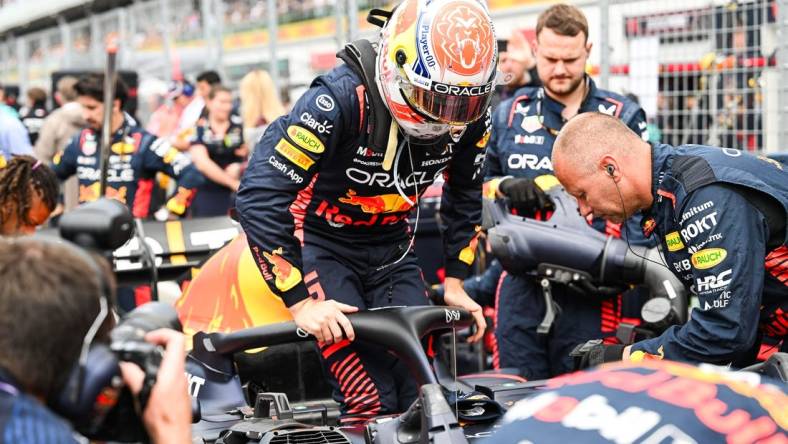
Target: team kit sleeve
159	156
461	203
638	123
286	160
727	238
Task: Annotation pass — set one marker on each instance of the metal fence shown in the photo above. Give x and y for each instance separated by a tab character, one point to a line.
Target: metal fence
705	71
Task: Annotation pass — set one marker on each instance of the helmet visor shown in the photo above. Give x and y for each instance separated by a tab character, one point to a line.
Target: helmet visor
452	104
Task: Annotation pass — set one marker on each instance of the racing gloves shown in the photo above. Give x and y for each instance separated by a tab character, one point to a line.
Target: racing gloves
594	352
525	195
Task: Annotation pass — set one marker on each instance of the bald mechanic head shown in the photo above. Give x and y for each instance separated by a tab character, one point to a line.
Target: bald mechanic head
605	165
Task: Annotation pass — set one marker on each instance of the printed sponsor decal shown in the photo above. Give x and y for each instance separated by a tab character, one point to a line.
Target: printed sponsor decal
610	110
713	283
481	143
673	241
338	220
683	265
529	161
648	226
89	147
294	155
708	258
287	171
722	301
697	247
521	139
325	102
321	128
696	228
462	38
531	124
305	139
732	152
380	204
287	276
695	210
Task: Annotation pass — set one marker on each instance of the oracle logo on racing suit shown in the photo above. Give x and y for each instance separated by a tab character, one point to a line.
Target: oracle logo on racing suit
699	227
387	180
526	161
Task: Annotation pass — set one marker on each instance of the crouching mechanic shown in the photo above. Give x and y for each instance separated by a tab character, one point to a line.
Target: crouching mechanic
326	198
36	278
720	217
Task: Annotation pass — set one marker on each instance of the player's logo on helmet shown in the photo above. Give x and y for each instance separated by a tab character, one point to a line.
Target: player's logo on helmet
437	58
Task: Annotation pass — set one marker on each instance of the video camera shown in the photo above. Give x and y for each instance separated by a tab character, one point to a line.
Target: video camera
95	399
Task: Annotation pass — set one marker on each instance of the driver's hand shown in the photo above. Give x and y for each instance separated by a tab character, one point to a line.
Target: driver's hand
168	415
323	319
454	294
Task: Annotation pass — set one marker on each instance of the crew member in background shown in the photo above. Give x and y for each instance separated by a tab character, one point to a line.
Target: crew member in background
519	167
218	150
58	129
165	120
34	112
135	157
14	140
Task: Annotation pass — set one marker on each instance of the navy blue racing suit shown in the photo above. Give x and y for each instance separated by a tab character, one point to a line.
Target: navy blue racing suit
325	220
521	145
653	402
720	216
135	158
213	199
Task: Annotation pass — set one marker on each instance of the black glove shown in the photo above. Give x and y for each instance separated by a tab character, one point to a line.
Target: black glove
594	352
525	195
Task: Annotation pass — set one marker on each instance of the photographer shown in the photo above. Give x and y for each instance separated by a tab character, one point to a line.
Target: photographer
45	314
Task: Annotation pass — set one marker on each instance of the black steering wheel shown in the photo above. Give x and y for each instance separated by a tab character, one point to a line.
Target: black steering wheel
399	329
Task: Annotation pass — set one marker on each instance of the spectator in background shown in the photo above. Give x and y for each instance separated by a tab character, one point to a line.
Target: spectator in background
260	104
5	108
165	120
515	58
13	138
34	112
28	195
192	113
57	130
218	151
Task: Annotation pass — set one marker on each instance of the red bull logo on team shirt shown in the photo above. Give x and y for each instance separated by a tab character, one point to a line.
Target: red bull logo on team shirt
380	204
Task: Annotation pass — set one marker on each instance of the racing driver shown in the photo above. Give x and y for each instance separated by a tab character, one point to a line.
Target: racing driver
328	191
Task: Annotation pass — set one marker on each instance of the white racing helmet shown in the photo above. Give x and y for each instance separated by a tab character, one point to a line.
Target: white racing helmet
436	65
